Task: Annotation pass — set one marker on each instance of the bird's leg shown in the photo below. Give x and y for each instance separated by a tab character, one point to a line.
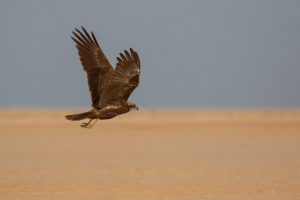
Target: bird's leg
91	125
85	125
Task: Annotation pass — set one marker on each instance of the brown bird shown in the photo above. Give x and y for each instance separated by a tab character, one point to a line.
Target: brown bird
110	88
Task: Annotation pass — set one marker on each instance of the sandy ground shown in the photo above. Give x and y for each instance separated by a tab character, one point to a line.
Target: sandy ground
174	155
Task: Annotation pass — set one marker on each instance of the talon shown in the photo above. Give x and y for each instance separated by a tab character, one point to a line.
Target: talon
89	124
84	125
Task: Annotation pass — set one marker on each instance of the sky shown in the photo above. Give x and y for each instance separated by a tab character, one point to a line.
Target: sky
203	54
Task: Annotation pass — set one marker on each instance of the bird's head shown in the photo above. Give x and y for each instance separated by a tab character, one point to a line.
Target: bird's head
132	106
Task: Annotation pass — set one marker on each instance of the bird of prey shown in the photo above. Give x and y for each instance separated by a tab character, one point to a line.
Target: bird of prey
109	88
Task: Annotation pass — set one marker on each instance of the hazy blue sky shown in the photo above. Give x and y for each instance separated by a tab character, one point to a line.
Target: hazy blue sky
212	53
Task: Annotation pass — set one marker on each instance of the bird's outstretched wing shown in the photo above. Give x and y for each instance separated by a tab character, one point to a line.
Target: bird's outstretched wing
94	62
124	80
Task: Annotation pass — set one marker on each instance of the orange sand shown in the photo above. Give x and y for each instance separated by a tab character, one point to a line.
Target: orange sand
166	155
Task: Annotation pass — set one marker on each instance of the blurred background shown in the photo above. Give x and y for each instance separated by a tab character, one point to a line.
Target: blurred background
206	54
214	56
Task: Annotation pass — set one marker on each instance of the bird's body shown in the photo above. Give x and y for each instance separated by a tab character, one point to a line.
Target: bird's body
110	88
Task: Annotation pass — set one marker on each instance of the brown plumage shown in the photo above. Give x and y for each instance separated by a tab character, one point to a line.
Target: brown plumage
110	88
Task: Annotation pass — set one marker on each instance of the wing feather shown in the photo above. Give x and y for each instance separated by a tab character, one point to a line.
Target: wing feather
124	80
94	62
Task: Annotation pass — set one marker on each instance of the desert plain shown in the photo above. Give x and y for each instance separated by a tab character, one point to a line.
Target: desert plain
150	154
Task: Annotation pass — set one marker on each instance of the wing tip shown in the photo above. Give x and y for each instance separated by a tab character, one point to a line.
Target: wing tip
126	57
135	56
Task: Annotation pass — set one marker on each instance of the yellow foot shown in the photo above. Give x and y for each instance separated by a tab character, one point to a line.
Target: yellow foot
86	125
89	124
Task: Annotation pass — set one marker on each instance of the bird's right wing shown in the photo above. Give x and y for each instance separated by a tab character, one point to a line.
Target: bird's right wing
124	80
94	62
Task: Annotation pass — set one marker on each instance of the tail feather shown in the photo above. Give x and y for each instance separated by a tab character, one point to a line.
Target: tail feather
79	116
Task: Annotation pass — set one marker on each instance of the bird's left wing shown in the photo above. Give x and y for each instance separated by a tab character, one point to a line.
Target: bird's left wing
124	80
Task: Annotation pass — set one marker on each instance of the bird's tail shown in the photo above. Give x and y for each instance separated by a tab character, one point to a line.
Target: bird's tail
79	116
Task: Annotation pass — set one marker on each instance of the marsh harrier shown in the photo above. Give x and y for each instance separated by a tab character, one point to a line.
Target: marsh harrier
109	88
